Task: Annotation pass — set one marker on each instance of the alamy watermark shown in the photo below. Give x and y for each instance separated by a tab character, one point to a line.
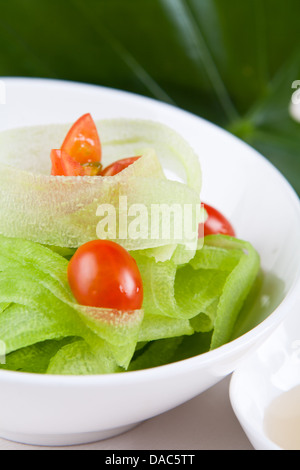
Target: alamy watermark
296	94
171	223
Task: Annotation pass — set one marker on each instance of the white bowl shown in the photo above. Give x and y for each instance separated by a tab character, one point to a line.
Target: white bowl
57	410
270	372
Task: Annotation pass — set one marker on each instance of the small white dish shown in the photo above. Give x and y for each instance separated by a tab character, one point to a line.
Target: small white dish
262	206
269	373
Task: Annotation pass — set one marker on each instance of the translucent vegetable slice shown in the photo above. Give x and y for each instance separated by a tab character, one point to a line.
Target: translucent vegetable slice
34	358
236	289
183	291
33	283
77	358
155	327
126	137
62	211
204	295
208	292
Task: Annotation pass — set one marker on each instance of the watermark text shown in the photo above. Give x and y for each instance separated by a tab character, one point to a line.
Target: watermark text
173	223
296	94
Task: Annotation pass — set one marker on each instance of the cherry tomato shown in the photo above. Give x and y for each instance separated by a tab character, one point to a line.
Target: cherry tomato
64	165
57	168
103	274
216	223
82	142
118	166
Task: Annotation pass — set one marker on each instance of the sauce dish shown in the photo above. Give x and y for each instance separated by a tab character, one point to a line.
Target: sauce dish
263	389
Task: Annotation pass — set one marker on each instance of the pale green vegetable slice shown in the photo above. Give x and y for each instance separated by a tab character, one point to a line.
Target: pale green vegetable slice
204	295
62	211
127	137
69	356
66	213
228	268
34	358
77	358
236	289
29	148
209	291
51	283
34	256
35	314
39	306
114	326
32	260
158	326
182	292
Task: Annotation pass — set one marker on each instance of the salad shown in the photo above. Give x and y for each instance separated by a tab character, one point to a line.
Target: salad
109	262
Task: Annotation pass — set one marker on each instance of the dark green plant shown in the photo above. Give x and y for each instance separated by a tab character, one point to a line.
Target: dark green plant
231	61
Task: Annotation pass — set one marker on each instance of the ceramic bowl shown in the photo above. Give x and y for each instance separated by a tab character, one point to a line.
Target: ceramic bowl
61	410
269	374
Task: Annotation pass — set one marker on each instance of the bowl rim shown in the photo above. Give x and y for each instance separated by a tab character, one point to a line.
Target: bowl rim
196	362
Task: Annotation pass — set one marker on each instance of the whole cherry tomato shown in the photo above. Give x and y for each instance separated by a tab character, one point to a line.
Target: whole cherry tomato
118	166
103	274
216	223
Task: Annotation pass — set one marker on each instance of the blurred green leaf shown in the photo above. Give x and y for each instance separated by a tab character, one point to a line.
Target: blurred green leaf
232	62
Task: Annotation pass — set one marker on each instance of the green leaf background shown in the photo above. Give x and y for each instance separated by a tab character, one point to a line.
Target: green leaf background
232	62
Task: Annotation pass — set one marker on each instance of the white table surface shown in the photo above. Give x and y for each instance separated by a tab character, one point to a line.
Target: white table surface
205	423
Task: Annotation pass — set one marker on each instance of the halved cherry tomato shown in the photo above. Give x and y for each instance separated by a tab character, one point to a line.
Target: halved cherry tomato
57	168
81	152
103	274
216	223
64	165
118	166
82	142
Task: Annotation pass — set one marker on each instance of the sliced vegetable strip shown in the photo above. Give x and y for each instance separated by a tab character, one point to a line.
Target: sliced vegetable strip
35	358
41	305
236	289
182	300
62	211
208	291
